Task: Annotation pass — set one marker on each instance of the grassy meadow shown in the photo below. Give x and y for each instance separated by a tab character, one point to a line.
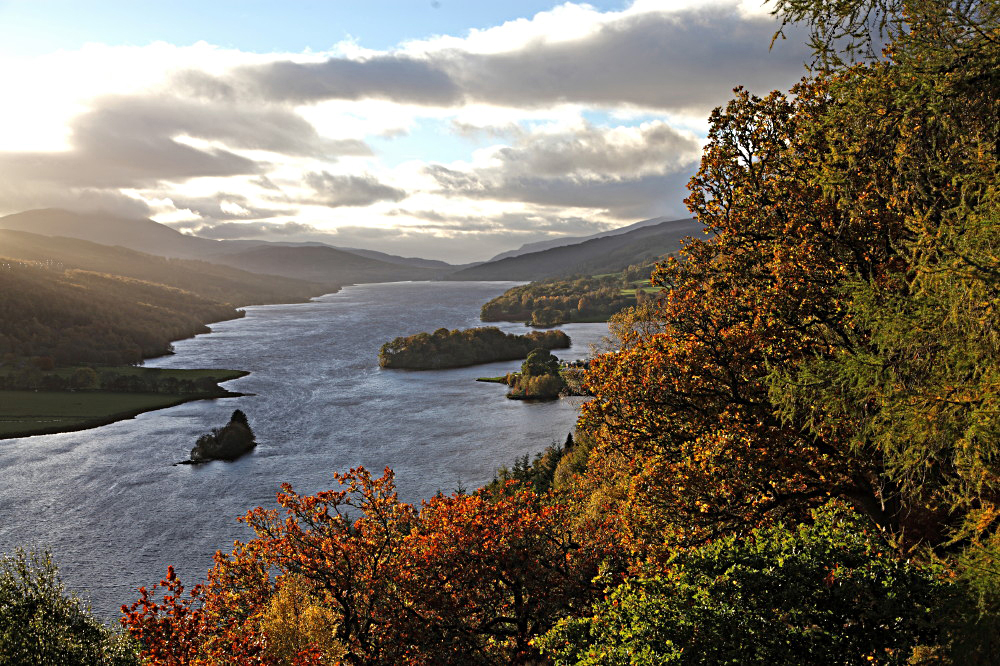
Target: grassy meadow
24	413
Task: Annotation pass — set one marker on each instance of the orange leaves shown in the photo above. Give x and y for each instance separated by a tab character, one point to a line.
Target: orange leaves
490	573
690	405
169	631
466	579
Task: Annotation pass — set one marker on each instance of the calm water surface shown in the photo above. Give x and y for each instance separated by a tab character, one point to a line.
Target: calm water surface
115	512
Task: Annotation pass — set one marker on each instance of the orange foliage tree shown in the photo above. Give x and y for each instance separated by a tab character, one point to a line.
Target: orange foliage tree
690	404
835	335
467	579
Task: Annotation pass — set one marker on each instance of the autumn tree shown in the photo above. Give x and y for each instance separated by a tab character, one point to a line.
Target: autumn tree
467	579
688	403
835	336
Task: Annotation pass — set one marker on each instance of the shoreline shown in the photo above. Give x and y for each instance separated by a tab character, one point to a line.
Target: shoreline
107	418
142	403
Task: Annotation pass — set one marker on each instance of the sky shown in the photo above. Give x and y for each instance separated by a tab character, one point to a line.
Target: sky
447	130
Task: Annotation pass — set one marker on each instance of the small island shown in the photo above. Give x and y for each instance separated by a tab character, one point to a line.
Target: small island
458	348
229	442
539	378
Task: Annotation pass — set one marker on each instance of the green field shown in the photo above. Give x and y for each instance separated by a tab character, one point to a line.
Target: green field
645	290
24	413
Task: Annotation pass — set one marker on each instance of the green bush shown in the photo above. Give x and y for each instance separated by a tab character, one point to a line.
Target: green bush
825	593
40	623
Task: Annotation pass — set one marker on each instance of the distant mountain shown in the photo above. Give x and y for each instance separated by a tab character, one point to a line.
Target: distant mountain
538	246
604	254
81	302
325	263
221	284
401	261
361	252
322	264
134	233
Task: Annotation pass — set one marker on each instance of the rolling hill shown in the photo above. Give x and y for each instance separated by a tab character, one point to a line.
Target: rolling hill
321	263
136	234
324	263
221	284
605	254
538	246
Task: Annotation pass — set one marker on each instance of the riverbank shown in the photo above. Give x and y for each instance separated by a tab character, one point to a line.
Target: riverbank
26	413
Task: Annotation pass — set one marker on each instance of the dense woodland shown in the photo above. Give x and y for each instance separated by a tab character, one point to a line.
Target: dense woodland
40	374
578	299
457	348
74	316
77	302
792	458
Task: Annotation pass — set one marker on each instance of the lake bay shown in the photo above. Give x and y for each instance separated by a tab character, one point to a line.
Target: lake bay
115	511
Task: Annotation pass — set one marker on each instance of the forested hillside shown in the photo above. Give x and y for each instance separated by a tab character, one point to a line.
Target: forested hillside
792	458
75	316
79	302
212	281
576	299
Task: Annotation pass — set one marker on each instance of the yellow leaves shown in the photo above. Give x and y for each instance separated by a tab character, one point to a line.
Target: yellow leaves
985	517
296	619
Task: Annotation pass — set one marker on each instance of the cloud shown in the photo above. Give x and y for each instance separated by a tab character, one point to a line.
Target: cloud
483	130
626	172
250	230
658	60
139	141
457	240
229	206
392	77
590	150
238	126
538	222
650	56
648	196
349	190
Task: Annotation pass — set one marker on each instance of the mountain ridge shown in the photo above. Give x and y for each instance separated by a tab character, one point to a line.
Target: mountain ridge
343	266
606	254
539	246
220	283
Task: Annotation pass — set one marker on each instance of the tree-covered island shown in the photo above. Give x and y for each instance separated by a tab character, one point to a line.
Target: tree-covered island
457	348
539	379
229	442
